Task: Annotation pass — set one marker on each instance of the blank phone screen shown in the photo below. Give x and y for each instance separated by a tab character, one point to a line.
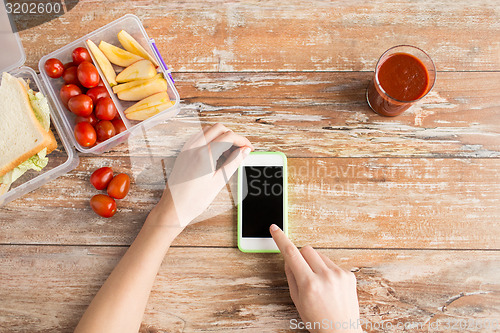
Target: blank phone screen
263	203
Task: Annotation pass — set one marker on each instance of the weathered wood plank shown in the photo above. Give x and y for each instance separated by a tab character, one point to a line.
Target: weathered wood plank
274	36
334	202
326	114
46	289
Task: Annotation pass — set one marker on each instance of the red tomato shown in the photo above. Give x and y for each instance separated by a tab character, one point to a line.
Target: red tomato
104	130
81	105
88	75
54	68
103	205
105	109
96	93
119	186
119	125
85	134
101	178
80	54
100	84
69	64
92	120
68	91
70	76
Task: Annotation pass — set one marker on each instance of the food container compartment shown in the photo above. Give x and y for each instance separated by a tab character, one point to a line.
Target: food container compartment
62	160
132	25
65	158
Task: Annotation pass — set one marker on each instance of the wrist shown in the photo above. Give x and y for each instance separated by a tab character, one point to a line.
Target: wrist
163	220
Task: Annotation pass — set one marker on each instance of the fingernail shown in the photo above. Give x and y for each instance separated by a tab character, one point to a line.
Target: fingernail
246	151
274	227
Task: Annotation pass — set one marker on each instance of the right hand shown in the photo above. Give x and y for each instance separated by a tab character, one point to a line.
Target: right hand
322	291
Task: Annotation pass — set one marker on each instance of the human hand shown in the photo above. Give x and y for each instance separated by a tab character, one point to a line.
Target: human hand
195	179
323	292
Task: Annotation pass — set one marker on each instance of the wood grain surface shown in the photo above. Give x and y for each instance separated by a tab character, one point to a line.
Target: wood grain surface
411	204
326	115
272	35
333	203
213	289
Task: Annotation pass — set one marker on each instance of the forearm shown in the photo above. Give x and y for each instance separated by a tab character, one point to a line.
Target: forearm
120	303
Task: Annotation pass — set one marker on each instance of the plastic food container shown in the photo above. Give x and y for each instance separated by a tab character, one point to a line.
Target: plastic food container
65	158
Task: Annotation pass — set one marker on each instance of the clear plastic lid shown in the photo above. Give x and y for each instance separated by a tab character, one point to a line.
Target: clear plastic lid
63	159
148	143
12	55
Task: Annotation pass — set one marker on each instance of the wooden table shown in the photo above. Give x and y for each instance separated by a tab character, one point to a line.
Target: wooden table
410	204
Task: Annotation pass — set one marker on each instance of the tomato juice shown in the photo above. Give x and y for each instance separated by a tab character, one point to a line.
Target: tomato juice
400	80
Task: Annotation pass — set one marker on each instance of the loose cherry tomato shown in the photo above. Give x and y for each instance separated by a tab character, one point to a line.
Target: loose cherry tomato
119	125
85	134
81	105
91	119
101	178
68	91
88	75
54	68
105	109
103	205
119	186
104	130
96	93
80	54
70	76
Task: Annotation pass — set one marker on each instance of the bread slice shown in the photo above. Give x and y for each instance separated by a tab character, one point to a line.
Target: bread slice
21	134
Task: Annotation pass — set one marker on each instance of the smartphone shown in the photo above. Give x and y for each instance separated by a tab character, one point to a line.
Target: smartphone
262	200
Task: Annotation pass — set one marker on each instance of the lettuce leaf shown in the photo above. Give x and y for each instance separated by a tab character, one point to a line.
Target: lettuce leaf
38	161
40	105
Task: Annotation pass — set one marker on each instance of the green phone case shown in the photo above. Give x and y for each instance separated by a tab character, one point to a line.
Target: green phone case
285	201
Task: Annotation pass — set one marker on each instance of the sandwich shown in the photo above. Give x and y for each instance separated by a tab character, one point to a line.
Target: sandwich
25	135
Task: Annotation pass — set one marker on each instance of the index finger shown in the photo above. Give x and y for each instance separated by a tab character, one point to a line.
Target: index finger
204	136
291	254
225	141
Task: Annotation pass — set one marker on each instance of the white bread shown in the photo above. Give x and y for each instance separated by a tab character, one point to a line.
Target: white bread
21	134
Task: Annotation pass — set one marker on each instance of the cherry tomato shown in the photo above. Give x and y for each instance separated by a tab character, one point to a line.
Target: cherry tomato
104	130
69	64
85	134
101	178
105	109
103	205
119	186
88	75
91	119
119	125
68	91
96	93
70	76
80	54
81	105
54	68
100	84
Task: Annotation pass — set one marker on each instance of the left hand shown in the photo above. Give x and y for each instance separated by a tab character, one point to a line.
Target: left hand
195	180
